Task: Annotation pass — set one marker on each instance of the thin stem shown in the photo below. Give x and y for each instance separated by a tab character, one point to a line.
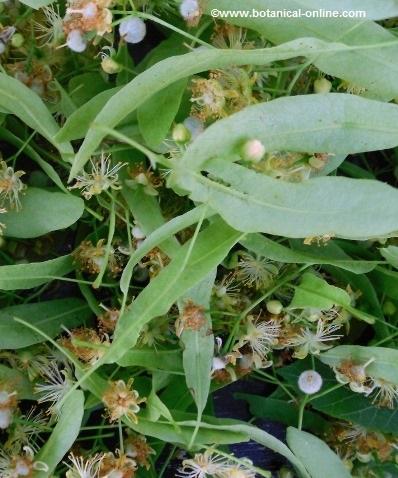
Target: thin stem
303	403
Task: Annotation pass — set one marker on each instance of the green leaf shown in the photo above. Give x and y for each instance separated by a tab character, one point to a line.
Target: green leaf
42	212
330	254
48	316
157	114
187	268
199	344
385	281
315	292
354	407
384	365
36	4
78	123
27	276
167	360
252	202
390	254
168	71
316	456
373	68
282	412
299	123
17	381
64	434
21	101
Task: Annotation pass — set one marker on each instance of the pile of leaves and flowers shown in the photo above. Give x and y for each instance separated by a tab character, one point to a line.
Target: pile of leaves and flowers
188	203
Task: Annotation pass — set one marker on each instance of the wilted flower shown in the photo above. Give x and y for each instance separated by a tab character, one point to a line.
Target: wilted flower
354	374
120	466
137	448
192	317
88	16
86	354
122	400
91	258
17	466
11	186
8	403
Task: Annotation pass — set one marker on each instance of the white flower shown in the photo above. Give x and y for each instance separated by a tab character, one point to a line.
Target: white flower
261	335
190	10
203	465
310	342
76	41
5	418
82	468
102	177
310	382
256	271
138	233
132	30
57	386
386	393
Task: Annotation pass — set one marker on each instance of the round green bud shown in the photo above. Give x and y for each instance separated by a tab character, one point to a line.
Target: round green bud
181	133
274	307
110	66
322	86
389	308
17	40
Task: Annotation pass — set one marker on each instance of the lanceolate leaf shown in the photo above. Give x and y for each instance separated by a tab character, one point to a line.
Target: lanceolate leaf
168	71
315	455
18	99
64	433
199	344
26	276
329	254
299	123
187	268
390	254
331	206
48	316
360	67
42	212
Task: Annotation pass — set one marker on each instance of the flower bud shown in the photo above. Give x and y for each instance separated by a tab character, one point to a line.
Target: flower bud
274	307
5	418
190	10
110	66
253	151
76	41
389	308
181	133
138	233
132	30
310	382
322	85
17	40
